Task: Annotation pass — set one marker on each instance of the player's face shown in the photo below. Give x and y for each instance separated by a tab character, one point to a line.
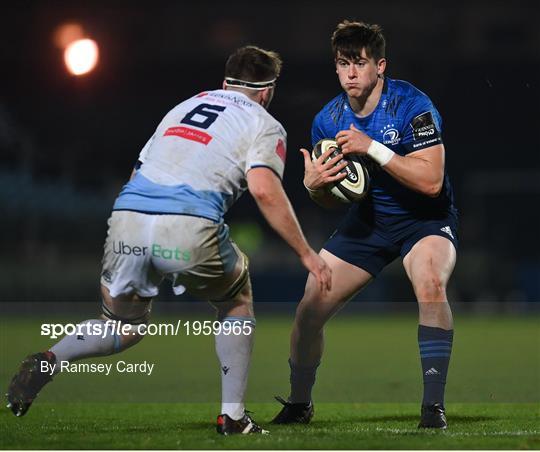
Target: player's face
359	76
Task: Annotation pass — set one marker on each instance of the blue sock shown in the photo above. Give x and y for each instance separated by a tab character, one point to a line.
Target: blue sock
302	381
435	348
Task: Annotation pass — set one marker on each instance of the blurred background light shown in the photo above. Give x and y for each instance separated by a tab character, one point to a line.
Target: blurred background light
66	33
248	235
81	56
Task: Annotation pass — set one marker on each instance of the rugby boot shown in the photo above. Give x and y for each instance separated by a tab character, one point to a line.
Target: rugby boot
433	416
245	425
294	413
28	381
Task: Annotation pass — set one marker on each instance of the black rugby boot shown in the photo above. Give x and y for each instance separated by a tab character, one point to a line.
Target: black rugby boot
28	381
433	416
294	413
244	426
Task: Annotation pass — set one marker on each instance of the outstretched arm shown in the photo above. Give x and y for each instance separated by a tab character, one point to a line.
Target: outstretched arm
266	189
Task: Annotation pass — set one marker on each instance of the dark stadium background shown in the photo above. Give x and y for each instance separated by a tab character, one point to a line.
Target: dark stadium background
68	144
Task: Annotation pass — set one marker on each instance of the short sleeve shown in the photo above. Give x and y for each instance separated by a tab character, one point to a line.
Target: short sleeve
317	130
144	152
269	150
422	127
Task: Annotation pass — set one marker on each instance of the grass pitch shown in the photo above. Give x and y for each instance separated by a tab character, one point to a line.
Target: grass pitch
336	426
366	395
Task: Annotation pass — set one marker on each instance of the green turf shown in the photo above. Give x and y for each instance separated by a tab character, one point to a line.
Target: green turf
337	426
366	395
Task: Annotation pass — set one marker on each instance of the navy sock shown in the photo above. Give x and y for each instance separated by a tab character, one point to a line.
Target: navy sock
435	348
302	381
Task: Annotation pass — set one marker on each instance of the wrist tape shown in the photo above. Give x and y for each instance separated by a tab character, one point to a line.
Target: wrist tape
380	153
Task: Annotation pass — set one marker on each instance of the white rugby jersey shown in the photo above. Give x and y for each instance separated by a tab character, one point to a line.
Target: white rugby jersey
197	160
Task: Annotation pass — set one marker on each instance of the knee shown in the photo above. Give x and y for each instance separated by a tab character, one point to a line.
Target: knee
245	296
237	308
240	305
313	312
431	288
305	312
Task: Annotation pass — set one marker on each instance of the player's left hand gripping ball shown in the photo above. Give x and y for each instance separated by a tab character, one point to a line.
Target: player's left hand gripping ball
355	186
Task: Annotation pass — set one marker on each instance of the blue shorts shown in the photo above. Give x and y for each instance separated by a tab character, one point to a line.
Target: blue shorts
371	241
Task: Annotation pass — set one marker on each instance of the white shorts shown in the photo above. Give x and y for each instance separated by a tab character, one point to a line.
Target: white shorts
193	252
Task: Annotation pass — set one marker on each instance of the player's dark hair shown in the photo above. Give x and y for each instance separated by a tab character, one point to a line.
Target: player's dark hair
350	38
253	64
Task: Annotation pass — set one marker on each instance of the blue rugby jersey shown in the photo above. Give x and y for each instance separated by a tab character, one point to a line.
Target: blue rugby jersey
405	121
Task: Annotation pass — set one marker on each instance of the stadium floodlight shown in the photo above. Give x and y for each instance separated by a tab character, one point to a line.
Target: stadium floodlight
81	56
66	33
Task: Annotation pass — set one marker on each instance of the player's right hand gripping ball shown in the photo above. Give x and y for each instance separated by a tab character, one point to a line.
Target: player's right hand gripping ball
355	186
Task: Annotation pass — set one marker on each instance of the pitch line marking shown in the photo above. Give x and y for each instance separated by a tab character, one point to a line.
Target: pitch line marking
447	433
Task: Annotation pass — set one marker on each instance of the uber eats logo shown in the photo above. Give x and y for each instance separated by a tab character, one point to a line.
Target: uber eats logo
165	253
155	251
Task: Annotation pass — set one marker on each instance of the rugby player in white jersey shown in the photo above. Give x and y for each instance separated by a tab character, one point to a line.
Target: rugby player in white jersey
167	223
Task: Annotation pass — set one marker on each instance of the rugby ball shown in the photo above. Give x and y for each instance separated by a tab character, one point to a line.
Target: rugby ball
355	186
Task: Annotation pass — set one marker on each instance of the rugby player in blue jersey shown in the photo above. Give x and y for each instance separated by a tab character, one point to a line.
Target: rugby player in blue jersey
409	213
